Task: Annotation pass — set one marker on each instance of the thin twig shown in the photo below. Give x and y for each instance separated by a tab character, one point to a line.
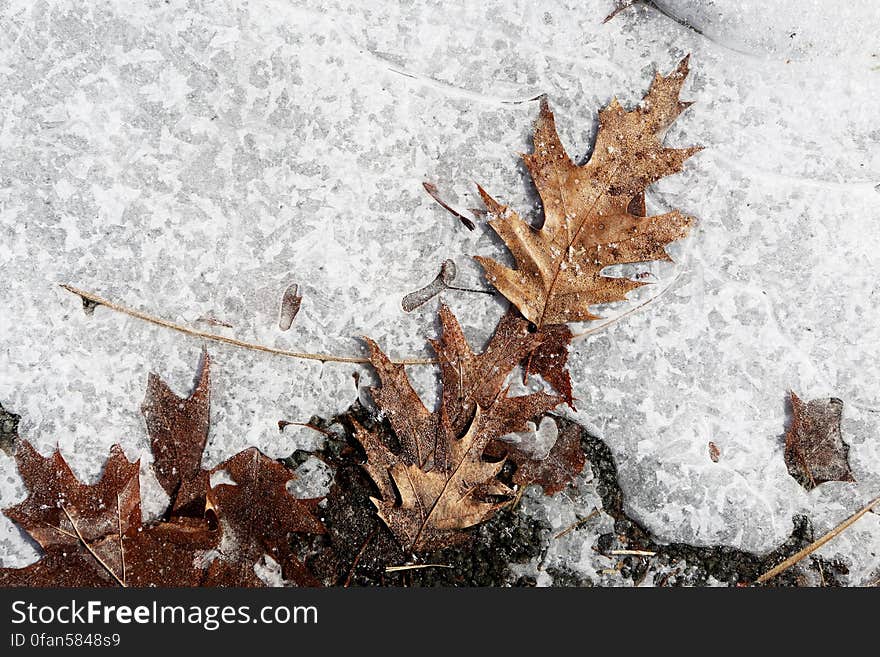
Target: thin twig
592	514
634	553
815	545
397	569
324	358
91	551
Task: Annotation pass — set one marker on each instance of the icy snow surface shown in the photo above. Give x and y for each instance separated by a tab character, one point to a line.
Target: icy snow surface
194	159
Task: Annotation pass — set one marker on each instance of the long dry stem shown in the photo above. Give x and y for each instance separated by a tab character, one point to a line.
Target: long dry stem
397	569
815	545
324	358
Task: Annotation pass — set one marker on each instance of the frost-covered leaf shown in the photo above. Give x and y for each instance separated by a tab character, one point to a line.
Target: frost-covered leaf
550	359
439	483
470	379
552	470
814	448
178	430
257	515
564	462
593	214
92	535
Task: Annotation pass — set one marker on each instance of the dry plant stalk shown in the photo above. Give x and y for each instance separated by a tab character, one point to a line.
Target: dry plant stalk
94	299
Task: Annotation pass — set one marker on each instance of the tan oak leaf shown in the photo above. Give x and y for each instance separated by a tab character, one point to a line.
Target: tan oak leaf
438	482
594	213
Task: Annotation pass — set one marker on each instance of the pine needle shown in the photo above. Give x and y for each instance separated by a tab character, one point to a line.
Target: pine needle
397	569
815	545
575	525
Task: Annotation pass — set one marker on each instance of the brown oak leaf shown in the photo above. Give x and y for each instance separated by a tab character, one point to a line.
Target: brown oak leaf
593	214
257	514
438	483
550	359
814	448
178	430
92	535
553	473
469	379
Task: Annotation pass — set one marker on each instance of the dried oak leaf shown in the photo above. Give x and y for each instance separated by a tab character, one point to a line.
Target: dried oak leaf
178	430
814	449
550	359
469	379
257	515
439	484
565	461
92	535
591	212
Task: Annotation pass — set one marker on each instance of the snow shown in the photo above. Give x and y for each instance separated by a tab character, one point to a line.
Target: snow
195	160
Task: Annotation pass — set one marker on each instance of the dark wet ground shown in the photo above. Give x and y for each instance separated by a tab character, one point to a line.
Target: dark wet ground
363	549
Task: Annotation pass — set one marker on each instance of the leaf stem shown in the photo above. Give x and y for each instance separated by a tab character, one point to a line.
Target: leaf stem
324	358
470	289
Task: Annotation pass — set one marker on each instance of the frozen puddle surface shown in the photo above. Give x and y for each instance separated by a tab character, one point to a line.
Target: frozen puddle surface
195	162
